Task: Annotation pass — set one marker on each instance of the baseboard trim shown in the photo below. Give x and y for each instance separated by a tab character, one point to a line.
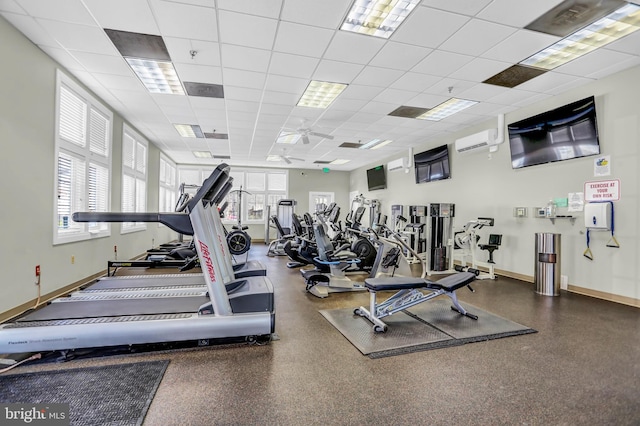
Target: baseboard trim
31	304
624	300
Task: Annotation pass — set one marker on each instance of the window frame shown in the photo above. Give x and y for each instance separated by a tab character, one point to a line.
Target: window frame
137	176
88	158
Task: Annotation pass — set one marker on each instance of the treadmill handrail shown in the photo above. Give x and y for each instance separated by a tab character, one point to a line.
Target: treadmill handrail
179	222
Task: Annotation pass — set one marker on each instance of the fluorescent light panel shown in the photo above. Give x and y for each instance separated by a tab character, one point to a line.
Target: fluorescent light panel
157	76
189	130
339	161
320	94
273	158
202	154
447	108
618	24
375	144
378	18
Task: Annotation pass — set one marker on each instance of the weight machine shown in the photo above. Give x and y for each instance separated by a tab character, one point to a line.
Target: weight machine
282	221
467	242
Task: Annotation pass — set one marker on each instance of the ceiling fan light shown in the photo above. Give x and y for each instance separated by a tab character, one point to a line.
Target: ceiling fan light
274	158
288	138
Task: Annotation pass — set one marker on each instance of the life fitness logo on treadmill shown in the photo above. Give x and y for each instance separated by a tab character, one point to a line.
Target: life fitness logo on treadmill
207	260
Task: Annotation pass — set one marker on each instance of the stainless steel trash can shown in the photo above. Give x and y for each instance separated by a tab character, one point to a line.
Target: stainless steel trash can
547	264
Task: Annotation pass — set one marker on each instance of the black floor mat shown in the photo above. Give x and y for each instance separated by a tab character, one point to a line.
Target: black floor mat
117	394
427	326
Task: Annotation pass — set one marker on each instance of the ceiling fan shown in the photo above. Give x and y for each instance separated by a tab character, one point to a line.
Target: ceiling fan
304	133
287	158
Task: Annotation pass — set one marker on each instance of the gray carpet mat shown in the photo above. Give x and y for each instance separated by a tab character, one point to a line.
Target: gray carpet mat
117	394
427	326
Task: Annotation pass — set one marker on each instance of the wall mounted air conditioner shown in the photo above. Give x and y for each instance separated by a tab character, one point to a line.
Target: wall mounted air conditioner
477	141
399	164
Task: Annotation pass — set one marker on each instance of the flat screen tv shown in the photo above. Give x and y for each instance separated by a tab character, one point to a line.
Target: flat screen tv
564	133
432	165
376	178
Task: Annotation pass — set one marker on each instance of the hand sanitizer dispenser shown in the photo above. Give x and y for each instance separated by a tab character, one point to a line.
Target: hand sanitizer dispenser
597	216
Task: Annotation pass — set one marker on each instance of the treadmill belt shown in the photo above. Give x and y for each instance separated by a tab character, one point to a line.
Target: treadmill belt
113	308
109	283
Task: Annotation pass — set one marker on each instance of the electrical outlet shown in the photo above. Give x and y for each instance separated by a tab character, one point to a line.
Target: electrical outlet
73	259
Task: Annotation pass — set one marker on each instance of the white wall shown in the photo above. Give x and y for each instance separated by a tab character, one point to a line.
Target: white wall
27	110
483	187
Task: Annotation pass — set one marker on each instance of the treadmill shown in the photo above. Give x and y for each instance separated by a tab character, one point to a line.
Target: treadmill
230	307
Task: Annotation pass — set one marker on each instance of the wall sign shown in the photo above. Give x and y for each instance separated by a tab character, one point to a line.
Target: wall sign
604	190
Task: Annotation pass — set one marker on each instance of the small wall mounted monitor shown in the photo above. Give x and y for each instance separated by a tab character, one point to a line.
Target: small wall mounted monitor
563	133
432	165
376	178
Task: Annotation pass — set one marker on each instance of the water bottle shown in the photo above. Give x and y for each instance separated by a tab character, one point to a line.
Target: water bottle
551	209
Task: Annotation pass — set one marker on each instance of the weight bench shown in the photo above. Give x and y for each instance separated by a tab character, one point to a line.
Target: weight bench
410	292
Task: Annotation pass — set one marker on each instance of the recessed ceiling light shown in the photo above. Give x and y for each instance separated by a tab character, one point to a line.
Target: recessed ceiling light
189	130
375	144
447	108
338	162
157	76
202	154
378	18
612	27
288	137
320	94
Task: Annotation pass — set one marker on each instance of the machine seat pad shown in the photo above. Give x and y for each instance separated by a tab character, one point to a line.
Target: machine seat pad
450	283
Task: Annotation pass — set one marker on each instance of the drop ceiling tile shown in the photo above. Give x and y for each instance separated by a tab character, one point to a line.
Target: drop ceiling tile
632	61
79	37
464	7
511	96
31	29
394	96
302	39
353	48
357	91
326	13
450	87
337	72
247	79
280	83
482	92
531	99
266	8
489	109
467	41
427	100
111	81
629	44
237	106
479	70
399	56
11	6
138	17
596	63
276	109
63	57
520	45
377	109
177	101
242	94
516	13
186	21
199	73
414	81
72	11
440	63
292	65
206	52
280	98
246	30
345	104
245	58
105	64
550	82
428	27
374	76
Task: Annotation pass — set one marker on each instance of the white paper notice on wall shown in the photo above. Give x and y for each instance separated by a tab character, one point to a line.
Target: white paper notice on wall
602	166
575	202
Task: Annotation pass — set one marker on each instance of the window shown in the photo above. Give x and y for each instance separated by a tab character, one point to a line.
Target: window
134	177
261	188
83	162
168	188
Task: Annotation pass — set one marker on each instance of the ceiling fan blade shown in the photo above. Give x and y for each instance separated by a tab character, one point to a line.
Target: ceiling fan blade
305	139
285	159
321	135
295	159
